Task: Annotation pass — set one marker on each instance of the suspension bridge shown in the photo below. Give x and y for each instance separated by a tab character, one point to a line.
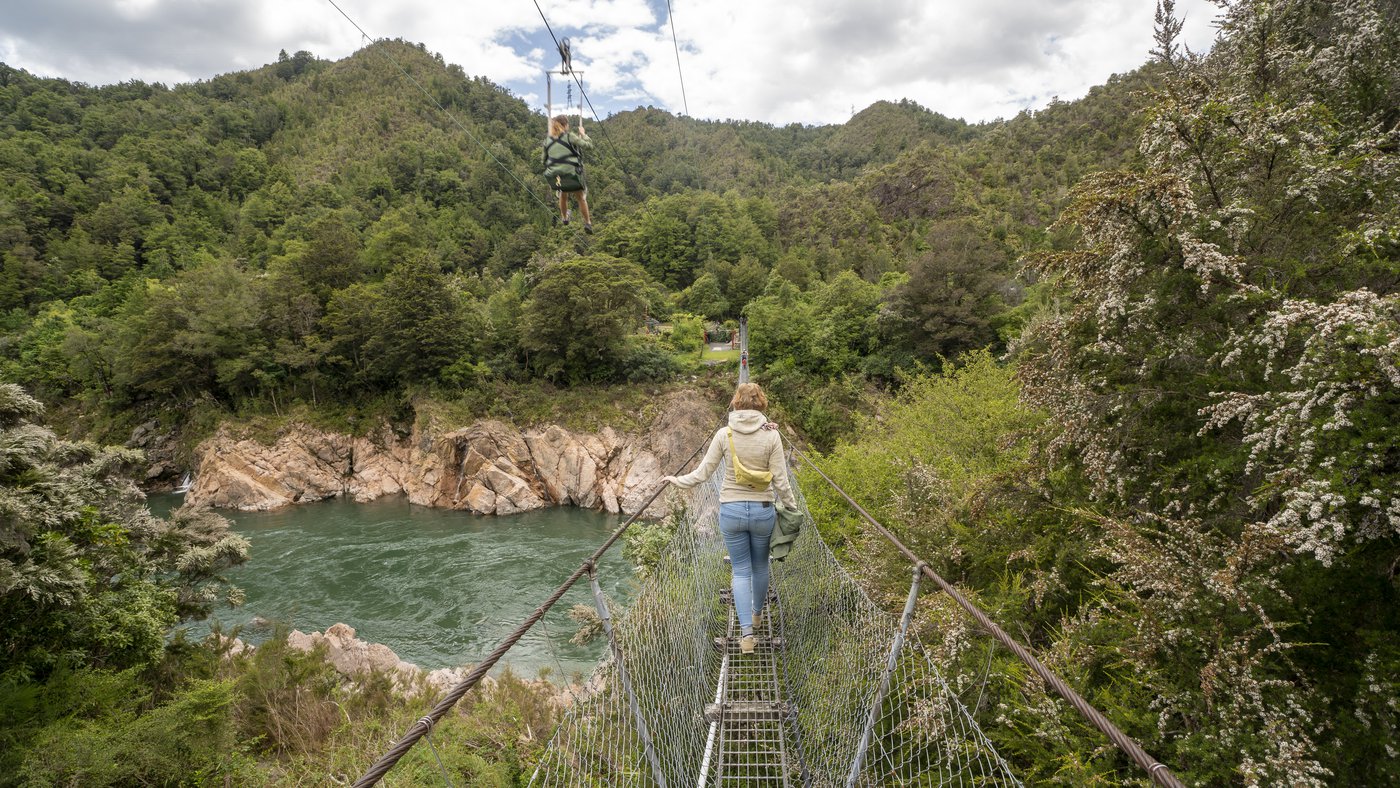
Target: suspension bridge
837	692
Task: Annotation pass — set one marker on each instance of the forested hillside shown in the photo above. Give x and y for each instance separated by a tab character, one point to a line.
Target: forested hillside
1126	368
253	241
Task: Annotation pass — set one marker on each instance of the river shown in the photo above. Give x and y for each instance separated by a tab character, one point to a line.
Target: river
439	587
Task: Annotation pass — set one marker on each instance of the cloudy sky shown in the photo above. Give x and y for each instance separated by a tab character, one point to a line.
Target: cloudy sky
804	61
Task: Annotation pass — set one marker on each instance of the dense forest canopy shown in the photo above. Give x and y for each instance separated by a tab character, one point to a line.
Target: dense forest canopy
1127	368
253	239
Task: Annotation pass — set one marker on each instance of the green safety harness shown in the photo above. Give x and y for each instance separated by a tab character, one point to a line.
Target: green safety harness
569	176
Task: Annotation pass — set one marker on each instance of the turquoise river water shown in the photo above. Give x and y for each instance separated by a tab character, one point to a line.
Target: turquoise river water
440	588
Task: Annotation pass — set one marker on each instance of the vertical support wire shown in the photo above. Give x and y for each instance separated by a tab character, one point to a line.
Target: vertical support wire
642	730
879	699
445	778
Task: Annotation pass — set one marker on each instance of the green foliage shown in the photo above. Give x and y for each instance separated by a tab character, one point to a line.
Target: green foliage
687	334
421	323
810	350
576	323
187	739
645	543
90	585
1224	376
948	303
275	716
929	452
88	577
704	298
647	360
304	721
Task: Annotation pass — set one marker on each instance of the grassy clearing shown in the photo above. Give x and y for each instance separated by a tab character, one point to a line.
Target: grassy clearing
718	356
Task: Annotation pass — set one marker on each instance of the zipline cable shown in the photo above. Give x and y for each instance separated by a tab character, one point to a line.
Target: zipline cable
671	16
425	724
1157	771
606	136
439	105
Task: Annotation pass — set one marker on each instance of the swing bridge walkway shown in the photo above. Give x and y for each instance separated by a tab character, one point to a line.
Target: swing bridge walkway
838	692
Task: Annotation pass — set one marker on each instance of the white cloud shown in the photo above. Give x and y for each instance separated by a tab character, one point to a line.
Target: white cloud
812	62
807	61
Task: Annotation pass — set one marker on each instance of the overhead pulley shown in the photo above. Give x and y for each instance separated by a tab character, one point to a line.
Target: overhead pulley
565	57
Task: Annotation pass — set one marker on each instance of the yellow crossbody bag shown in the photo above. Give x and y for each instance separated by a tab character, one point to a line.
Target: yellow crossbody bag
757	481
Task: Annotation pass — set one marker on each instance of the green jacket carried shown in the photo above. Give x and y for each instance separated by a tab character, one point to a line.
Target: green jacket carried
785	531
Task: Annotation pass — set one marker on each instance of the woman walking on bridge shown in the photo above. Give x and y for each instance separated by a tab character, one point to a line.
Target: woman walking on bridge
746	515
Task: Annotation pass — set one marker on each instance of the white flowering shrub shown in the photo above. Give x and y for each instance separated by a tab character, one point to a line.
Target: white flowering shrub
1224	369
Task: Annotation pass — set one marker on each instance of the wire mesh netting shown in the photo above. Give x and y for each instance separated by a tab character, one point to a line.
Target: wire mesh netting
678	703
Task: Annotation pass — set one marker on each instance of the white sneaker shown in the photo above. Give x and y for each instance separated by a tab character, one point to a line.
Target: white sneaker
747	644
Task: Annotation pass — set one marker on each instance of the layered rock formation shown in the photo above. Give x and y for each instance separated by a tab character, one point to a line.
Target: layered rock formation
489	467
351	656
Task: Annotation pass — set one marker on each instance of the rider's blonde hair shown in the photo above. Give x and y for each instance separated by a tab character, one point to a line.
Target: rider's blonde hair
558	125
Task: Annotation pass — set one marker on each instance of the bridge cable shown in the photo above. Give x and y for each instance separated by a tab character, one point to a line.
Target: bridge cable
606	136
445	111
671	15
1158	772
687	130
425	724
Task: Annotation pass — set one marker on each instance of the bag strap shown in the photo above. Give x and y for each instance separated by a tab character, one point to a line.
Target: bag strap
734	455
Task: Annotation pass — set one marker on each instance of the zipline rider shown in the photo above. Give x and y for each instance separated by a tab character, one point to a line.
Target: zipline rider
563	167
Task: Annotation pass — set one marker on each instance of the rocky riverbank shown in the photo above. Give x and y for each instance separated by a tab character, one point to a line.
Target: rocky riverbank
352	657
489	467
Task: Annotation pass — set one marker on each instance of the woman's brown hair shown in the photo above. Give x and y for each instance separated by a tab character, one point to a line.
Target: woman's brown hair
749	397
558	124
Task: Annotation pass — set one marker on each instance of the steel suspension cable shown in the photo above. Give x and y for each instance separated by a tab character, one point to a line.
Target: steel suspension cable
425	724
1157	771
439	105
675	44
671	15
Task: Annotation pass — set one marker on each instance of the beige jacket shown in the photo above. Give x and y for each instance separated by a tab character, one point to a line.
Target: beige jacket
758	449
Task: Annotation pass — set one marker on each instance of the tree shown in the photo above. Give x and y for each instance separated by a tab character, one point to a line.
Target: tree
329	261
703	297
577	320
421	323
88	578
200	332
947	304
747	279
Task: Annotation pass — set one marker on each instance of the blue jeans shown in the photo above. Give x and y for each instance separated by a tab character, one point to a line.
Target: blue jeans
747	526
